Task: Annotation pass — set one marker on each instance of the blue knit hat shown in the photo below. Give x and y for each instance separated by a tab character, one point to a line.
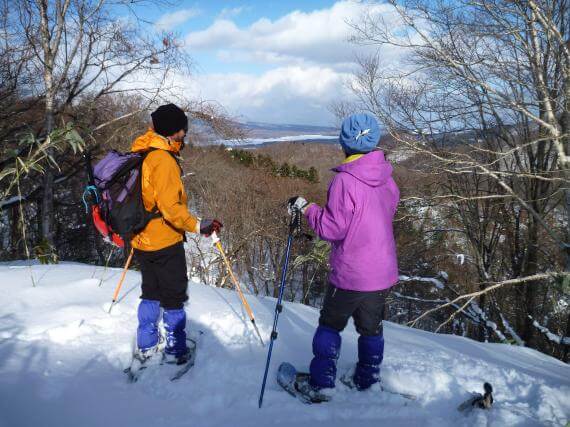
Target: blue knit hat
359	134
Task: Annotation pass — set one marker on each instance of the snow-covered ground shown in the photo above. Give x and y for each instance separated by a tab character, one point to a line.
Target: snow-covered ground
62	356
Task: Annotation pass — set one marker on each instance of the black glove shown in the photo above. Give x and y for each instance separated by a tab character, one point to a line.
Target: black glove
209	226
296	203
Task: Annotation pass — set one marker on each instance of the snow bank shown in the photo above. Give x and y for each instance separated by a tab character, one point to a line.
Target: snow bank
62	355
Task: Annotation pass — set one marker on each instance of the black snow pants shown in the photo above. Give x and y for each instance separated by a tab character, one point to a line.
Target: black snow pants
164	276
366	308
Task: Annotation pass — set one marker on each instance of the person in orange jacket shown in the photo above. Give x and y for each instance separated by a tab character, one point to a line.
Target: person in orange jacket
159	246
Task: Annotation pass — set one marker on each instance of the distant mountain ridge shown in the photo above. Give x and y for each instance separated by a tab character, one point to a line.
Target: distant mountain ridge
290	129
260	133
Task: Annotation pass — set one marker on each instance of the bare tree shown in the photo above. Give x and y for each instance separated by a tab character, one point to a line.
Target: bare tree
483	99
82	51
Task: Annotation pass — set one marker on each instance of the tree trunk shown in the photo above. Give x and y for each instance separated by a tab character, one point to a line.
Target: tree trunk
482	333
48	229
47	212
531	289
566	347
305	284
564	356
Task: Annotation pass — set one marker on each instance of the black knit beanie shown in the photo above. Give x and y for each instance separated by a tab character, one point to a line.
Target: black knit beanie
169	119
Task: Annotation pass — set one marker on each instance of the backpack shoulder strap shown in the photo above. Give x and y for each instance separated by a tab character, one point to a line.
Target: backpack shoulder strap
174	156
155	213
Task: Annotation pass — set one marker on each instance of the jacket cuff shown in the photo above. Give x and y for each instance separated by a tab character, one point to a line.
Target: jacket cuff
305	211
192	228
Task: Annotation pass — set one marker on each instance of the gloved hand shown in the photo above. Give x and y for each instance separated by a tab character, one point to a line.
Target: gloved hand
297	203
209	226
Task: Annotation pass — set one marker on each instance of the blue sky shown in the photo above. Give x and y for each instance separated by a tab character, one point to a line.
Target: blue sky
272	61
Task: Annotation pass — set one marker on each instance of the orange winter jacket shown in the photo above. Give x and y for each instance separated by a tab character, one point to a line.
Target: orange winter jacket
162	187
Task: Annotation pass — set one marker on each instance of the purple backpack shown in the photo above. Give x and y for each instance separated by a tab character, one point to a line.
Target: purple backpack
116	181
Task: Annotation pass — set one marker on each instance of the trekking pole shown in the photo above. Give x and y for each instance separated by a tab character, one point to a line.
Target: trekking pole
294	225
121	280
244	302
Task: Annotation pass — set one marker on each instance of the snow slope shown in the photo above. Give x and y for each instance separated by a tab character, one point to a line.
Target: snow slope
62	355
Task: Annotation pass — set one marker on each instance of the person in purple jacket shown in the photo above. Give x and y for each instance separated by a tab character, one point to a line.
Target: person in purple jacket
357	221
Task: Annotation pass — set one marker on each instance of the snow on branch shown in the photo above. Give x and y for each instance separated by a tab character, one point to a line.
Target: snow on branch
471	296
491	325
437	283
468	314
494	286
557	339
511	331
428	301
11	201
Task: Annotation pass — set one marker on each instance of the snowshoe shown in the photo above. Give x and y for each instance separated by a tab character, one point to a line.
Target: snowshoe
185	362
156	357
348	380
297	384
171	359
478	400
142	360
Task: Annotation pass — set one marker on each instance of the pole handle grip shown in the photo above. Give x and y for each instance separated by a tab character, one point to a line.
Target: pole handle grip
295	224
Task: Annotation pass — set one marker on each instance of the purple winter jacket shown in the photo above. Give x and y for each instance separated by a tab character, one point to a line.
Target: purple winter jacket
357	220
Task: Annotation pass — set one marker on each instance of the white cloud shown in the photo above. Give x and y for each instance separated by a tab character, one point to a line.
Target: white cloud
222	31
311	55
291	94
171	20
231	12
317	37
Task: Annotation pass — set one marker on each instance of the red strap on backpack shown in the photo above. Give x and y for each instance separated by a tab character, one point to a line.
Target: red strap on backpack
102	227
